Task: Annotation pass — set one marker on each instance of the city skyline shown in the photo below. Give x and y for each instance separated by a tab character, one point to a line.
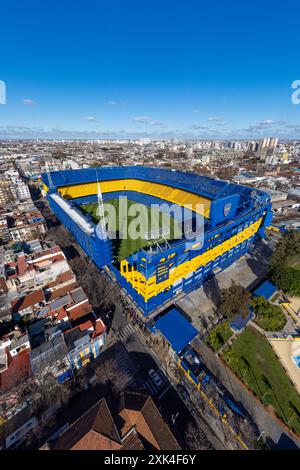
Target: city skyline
99	71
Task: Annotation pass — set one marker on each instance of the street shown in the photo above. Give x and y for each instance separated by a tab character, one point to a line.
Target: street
142	357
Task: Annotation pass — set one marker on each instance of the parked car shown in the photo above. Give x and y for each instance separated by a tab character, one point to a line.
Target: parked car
155	377
183	392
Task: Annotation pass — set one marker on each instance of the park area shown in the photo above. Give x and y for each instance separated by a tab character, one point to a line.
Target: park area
268	316
252	358
148	224
219	335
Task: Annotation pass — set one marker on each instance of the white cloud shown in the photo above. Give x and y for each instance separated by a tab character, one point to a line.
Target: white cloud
142	119
90	118
157	123
28	102
215	119
267	122
116	103
199	126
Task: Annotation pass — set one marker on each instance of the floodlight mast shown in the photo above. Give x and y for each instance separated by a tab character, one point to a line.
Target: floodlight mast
166	241
101	224
49	175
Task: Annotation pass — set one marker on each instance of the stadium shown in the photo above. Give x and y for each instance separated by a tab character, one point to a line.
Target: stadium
159	265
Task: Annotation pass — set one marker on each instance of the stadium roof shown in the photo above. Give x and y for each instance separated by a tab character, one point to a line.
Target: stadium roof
266	290
176	329
203	185
75	215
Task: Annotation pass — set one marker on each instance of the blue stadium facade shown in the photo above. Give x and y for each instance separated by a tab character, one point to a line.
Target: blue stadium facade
234	216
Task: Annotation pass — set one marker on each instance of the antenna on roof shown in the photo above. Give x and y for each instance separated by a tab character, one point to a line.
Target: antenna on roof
101	226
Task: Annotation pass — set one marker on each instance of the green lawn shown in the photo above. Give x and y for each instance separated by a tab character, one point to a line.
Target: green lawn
268	316
219	336
253	360
124	247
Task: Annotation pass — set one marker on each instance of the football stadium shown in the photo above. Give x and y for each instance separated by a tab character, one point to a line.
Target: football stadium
171	258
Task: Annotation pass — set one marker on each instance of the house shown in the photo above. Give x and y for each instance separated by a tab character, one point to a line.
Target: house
50	358
283	207
85	342
134	423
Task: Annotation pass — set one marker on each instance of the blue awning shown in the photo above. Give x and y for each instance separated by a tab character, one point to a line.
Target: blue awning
239	322
176	329
266	290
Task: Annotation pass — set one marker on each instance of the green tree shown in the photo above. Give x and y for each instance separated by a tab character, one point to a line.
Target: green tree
269	317
285	263
235	301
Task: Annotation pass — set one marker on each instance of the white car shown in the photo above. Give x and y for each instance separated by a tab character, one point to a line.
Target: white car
155	377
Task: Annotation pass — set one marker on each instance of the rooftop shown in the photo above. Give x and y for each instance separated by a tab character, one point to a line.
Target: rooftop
176	329
134	424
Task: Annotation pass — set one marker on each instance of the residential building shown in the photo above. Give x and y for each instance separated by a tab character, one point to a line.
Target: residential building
134	423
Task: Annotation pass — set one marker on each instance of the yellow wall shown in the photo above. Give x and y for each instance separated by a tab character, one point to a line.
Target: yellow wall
149	288
177	196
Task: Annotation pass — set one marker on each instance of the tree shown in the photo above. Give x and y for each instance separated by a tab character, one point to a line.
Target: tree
43	391
101	290
294	413
246	365
34	437
235	301
285	263
196	439
269	317
110	374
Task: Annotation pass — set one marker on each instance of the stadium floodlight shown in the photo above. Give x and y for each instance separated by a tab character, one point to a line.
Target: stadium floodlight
220	223
49	175
101	227
166	241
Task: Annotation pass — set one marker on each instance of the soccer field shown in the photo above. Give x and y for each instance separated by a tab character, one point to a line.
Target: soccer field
124	244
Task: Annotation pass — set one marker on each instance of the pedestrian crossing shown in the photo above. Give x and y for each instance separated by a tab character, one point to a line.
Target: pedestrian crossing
125	372
154	389
126	331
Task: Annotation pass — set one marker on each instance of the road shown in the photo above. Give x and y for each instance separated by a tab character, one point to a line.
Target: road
278	436
166	396
143	358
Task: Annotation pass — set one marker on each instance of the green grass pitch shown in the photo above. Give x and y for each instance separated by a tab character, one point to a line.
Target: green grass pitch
124	247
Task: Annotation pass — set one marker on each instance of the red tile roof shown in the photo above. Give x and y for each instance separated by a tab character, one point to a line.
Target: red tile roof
18	369
137	424
85	325
3	285
60	291
80	310
27	301
99	328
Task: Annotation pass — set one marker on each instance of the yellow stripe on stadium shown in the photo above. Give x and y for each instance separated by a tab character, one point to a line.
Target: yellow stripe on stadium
150	288
273	228
177	196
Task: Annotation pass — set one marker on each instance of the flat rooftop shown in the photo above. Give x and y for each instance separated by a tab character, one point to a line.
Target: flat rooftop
201	304
176	329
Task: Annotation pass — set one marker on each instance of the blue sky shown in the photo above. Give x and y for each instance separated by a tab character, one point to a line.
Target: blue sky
128	68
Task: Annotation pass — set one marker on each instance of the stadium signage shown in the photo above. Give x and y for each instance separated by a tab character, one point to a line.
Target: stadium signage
227	209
